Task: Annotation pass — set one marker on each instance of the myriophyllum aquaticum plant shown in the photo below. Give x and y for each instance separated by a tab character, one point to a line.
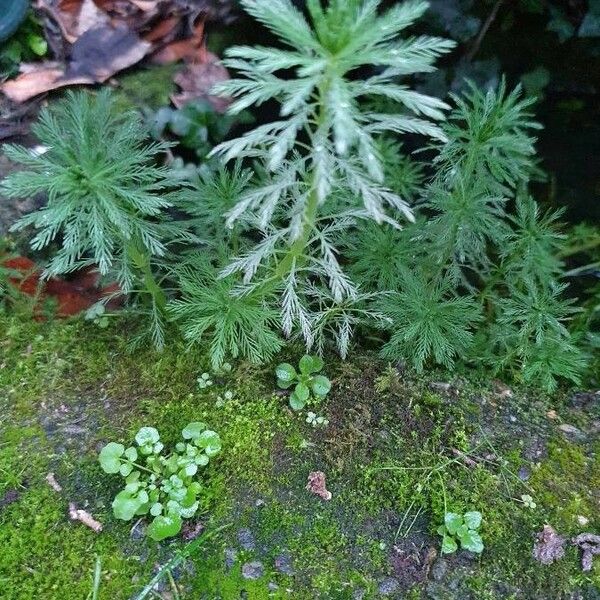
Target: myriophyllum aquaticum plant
321	159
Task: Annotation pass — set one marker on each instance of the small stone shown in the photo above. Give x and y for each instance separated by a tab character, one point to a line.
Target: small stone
230	558
259	503
583	521
438	569
246	539
138	532
359	594
572	433
253	570
283	563
524	473
272	586
388	586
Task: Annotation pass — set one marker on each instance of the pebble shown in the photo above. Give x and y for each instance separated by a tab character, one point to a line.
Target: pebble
230	558
253	570
246	539
283	563
524	473
439	568
388	586
572	433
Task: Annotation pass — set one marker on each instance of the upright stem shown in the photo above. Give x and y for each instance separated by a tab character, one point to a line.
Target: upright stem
312	205
142	261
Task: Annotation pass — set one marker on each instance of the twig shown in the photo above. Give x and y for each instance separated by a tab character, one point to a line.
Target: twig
178	559
470	55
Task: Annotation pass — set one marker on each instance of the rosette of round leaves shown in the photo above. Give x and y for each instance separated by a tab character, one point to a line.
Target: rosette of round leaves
160	484
307	384
461	529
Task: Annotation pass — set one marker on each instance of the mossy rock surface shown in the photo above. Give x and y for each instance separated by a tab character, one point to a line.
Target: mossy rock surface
396	450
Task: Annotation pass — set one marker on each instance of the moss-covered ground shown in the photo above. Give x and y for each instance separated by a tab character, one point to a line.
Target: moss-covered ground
396	449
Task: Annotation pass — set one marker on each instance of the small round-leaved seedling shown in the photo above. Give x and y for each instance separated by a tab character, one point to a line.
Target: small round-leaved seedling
308	385
160	485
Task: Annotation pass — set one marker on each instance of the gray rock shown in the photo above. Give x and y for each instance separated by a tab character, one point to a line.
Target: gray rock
439	568
283	563
246	539
272	587
524	473
138	532
359	594
230	558
388	586
572	433
253	570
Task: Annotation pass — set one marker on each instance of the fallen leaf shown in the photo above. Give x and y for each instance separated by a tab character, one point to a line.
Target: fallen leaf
34	82
197	80
549	546
84	517
190	49
590	546
101	52
316	485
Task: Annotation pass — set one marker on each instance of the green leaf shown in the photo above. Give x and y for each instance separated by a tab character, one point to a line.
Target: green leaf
125	469
110	457
210	441
310	364
302	392
449	545
193	430
453	522
156	509
164	526
147	436
125	505
285	372
320	385
471	540
296	403
473	519
37	44
284	385
131	454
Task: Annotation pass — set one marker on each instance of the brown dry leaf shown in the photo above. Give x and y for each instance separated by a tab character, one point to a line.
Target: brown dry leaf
549	546
316	485
101	52
73	16
590	546
96	56
196	81
190	49
84	517
34	82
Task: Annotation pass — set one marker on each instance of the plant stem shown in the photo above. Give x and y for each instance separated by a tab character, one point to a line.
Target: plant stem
296	250
142	261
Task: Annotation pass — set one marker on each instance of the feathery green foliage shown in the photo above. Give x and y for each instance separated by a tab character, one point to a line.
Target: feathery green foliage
429	321
473	247
327	144
239	325
107	199
105	192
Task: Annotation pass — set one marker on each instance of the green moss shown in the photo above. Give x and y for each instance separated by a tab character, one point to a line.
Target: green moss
67	388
